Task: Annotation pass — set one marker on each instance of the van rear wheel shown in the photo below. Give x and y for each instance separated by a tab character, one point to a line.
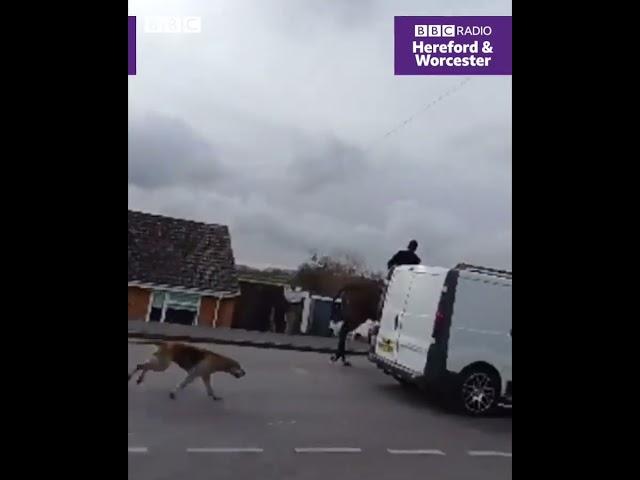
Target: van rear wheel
478	391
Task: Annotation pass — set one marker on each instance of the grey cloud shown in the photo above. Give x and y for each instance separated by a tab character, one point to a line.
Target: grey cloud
276	113
348	203
166	151
332	162
310	17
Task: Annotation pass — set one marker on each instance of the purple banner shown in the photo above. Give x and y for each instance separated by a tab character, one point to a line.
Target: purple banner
452	45
132	45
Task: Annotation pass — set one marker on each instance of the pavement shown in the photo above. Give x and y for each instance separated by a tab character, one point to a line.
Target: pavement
233	336
297	416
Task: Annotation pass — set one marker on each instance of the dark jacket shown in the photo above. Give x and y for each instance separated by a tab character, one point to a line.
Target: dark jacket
403	257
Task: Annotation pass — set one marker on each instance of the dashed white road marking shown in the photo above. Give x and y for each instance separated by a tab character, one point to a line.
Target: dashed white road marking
328	450
488	453
415	452
391	451
225	450
300	371
138	450
282	422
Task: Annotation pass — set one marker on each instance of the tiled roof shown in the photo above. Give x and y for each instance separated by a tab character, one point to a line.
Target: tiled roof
180	253
275	277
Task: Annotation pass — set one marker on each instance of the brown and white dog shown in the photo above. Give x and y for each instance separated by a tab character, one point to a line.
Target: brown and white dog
197	362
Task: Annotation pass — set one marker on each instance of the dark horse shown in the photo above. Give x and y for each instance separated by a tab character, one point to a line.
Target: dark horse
360	301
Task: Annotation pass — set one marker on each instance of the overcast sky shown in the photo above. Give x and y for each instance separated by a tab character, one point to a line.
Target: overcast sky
272	121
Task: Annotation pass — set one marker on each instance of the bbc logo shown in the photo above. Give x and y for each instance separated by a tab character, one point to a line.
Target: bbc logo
435	30
172	25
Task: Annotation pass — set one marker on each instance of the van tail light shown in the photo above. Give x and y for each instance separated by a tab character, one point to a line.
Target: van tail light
438	324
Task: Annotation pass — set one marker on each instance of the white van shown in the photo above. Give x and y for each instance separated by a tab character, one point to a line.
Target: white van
449	329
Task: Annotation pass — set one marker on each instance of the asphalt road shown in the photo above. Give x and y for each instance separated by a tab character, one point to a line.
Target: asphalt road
296	416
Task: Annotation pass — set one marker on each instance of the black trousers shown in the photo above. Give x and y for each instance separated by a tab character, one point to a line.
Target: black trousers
342	341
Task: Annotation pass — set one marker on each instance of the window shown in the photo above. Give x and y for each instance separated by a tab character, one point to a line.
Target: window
181	308
174	307
157	305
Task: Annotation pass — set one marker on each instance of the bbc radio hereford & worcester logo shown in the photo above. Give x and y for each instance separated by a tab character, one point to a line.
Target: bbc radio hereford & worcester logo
452	45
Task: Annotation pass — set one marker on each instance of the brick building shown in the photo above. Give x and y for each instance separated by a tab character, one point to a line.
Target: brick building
180	271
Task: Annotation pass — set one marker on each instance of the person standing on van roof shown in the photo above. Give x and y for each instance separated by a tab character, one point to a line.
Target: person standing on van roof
405	257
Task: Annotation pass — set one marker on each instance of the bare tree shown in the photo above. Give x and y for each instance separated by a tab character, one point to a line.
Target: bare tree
326	274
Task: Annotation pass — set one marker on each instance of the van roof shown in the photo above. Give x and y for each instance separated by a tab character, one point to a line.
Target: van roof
423	268
479	270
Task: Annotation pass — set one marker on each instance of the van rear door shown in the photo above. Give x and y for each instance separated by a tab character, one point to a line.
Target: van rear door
416	325
392	311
